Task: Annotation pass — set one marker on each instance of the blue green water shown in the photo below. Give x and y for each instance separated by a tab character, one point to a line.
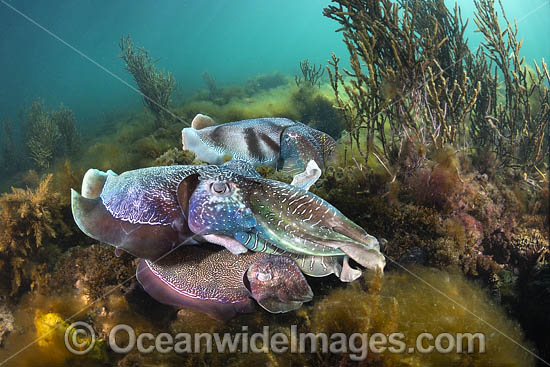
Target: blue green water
231	40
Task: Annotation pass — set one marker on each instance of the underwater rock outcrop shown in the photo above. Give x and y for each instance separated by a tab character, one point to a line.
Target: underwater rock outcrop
264	82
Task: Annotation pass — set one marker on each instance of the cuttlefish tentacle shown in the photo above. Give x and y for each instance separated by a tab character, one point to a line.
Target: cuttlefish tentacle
314	266
212	281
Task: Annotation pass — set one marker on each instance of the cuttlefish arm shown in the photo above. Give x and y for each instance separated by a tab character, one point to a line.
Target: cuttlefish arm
319	266
221	284
314	266
307	178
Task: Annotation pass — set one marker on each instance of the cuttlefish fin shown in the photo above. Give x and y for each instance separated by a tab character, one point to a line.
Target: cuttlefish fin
307	178
158	286
201	121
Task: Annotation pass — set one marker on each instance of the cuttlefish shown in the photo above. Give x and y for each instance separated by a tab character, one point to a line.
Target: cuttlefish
277	142
148	212
221	284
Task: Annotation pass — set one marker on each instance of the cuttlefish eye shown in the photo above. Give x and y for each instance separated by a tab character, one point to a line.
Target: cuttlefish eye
220	188
264	276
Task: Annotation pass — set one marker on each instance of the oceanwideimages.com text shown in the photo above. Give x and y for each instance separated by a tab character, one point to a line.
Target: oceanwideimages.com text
80	338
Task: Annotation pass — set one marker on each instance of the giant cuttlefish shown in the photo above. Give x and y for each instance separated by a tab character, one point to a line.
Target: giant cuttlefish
272	141
221	284
147	212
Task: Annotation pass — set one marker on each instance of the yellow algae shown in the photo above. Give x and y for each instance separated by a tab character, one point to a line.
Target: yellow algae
424	300
49	326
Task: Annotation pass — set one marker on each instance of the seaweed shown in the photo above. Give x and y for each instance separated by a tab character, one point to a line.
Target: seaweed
6	322
317	110
534	305
29	219
414	78
8	153
48	135
65	121
43	141
421	169
91	270
415	51
156	87
311	75
214	93
515	126
264	82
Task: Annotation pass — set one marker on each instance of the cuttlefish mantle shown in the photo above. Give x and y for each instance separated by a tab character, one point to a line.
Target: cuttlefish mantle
222	284
272	141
